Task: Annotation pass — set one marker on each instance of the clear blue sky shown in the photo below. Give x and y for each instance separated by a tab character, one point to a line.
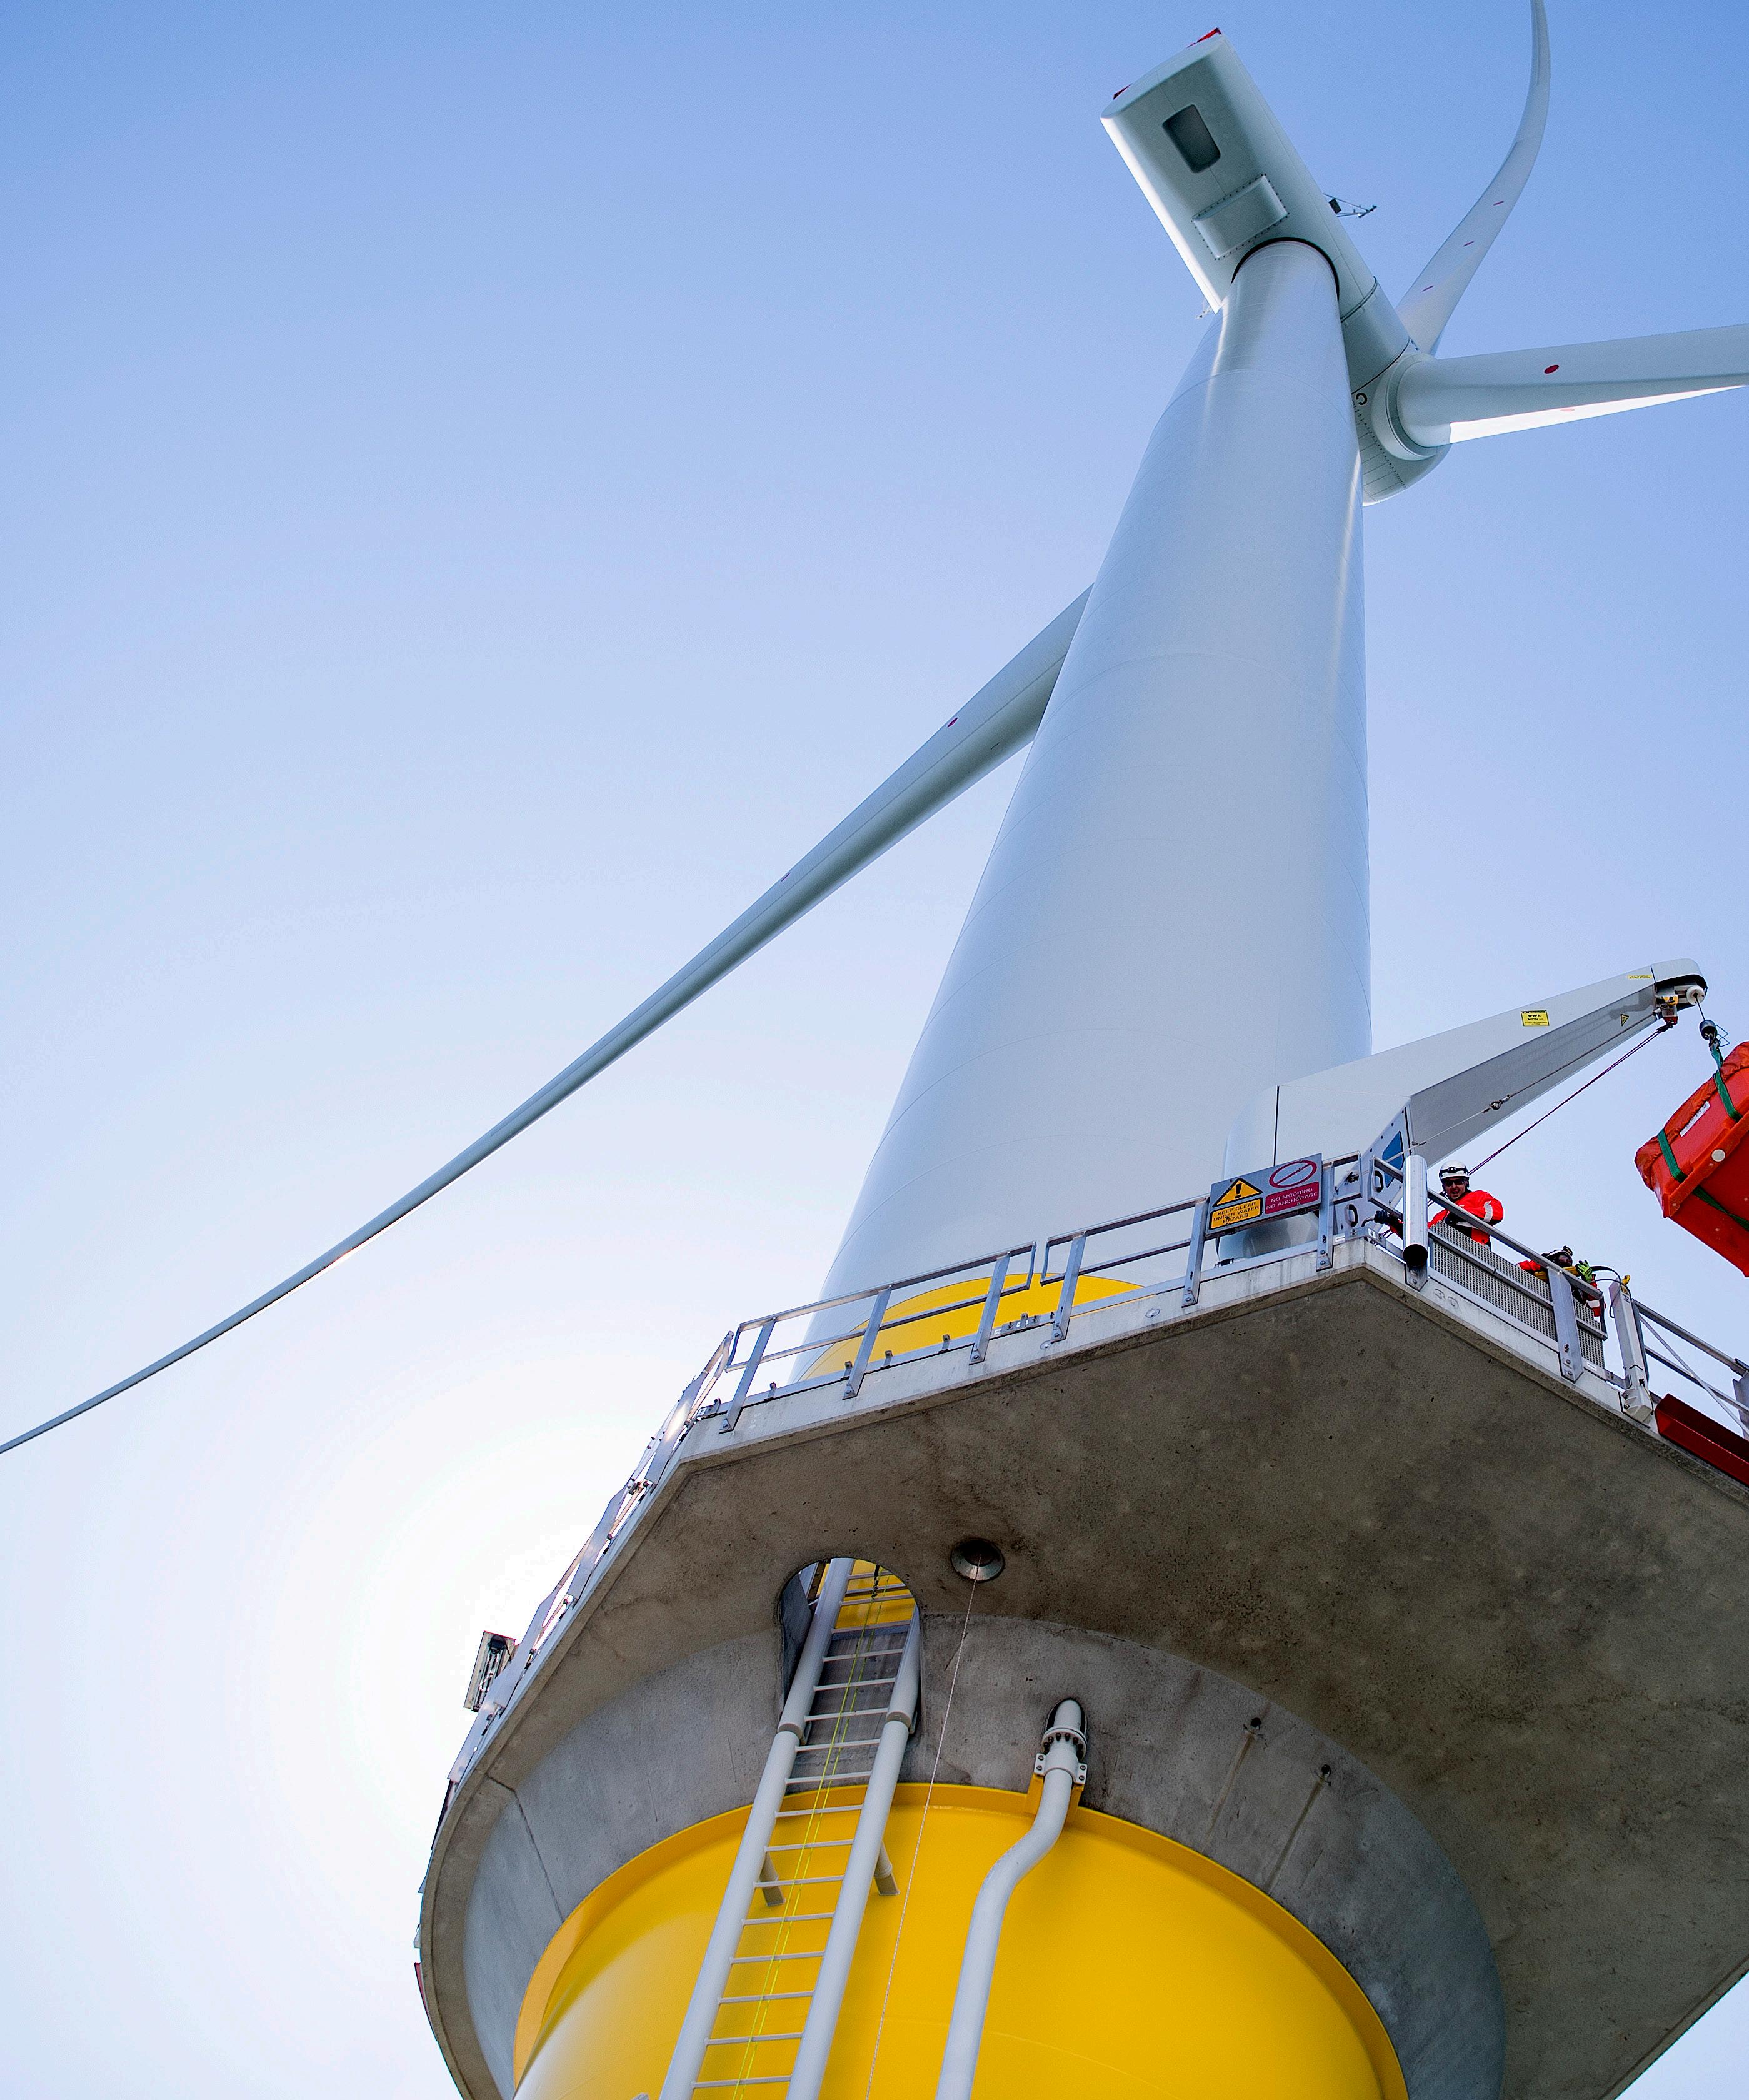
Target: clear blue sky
484	488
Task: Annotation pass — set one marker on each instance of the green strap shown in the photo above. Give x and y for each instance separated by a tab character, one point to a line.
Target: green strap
1670	1158
1731	1108
1713	1203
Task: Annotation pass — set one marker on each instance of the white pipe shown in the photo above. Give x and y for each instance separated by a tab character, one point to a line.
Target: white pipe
866	1852
1063	1746
1415	1218
701	2009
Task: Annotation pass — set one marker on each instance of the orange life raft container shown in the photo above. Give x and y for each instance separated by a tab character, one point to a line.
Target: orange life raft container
1698	1166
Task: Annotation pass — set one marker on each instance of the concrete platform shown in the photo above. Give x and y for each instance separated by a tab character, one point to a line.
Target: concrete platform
1385	1515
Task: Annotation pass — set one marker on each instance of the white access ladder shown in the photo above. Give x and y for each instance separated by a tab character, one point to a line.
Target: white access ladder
764	2008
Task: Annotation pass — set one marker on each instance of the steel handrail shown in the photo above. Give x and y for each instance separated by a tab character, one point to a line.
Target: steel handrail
702	1398
887	1324
899	1283
1587	1294
1671	1327
1539	1255
1693	1378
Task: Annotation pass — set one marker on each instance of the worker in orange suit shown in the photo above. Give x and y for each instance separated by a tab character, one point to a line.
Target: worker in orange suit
1454	1185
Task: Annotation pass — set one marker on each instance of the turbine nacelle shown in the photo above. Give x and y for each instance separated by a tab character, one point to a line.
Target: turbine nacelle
1225	180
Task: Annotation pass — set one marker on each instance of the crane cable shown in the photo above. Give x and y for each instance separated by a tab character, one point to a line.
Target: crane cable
1566	1098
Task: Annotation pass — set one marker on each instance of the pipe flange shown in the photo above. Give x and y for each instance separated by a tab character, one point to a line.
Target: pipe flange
1076	1741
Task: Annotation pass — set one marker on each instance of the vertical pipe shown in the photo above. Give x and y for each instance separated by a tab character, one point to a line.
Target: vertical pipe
1064	1747
1415	1219
1636	1393
860	1869
701	2008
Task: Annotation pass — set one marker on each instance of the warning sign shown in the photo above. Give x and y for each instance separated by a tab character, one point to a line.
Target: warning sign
1534	1017
1236	1202
1269	1192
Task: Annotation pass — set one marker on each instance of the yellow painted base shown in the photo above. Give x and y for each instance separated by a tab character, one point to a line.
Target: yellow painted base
1130	1965
953	1310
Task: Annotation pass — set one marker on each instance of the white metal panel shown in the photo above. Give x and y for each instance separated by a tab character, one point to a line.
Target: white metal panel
1463	1081
1256	185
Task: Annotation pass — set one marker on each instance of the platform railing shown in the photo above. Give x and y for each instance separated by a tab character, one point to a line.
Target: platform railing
942	1312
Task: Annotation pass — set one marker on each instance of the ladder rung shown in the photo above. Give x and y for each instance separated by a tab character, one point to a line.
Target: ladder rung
805	1880
807	1844
708	2084
837	1743
731	2041
801	1954
795	1917
763	1997
849	1808
824	1782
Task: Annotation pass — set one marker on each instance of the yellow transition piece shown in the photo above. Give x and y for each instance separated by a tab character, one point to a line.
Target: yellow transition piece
1130	1965
952	1311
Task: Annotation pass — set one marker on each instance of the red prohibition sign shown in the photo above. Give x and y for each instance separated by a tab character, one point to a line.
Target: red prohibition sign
1295	1175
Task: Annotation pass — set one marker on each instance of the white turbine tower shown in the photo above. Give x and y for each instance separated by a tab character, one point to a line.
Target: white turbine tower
1376	1613
1187	841
1189	834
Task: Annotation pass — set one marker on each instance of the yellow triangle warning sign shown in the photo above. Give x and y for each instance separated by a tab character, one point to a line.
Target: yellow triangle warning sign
1237	1193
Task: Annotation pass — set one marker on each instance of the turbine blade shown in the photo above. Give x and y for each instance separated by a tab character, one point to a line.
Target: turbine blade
1445	400
1433	297
993	724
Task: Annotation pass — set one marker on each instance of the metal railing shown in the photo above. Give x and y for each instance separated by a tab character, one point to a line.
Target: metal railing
776	1356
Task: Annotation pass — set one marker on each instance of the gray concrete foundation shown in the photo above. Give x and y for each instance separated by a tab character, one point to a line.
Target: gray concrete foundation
1509	1621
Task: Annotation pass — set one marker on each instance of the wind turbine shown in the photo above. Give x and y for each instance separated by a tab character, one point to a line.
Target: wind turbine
1291	1570
1188	839
1312	1516
1191	824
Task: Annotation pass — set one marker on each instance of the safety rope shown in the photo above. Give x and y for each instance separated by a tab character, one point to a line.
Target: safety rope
910	1879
